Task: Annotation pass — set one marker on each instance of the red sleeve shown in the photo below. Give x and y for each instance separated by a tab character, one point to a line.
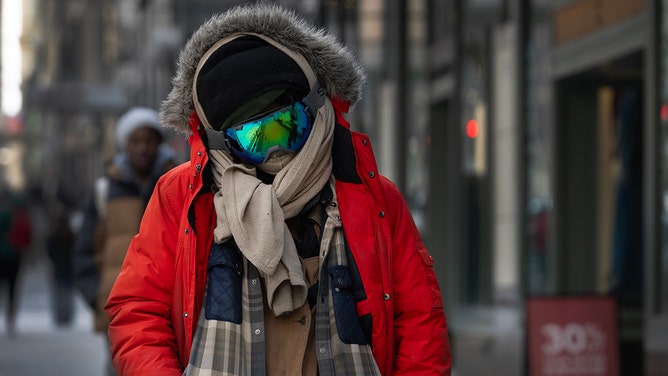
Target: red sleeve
141	335
420	328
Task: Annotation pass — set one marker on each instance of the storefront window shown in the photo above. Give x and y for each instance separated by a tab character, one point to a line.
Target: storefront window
416	171
662	295
538	147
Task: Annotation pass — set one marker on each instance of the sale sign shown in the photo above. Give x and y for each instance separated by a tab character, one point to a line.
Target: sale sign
572	336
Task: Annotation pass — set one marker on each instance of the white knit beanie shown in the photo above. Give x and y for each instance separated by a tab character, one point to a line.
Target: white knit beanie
135	118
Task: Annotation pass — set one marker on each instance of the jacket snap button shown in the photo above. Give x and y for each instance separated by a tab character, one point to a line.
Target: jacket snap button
372	174
185	315
364	141
187	231
199	153
381	214
386	296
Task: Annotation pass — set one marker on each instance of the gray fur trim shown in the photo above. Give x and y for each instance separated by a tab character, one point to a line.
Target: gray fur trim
336	67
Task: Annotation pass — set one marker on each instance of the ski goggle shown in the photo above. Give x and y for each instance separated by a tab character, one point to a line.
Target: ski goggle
284	129
254	140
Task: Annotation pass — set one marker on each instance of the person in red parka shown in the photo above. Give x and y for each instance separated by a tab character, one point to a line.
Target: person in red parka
278	249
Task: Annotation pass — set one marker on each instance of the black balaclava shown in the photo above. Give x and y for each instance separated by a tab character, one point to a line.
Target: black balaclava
242	70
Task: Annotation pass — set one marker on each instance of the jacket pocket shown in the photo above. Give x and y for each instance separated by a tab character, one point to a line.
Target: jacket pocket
224	278
345	311
430	277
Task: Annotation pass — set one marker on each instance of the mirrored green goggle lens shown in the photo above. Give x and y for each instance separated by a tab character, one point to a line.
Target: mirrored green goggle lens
285	129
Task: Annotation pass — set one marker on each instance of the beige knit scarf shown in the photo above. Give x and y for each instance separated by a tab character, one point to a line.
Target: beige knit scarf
254	213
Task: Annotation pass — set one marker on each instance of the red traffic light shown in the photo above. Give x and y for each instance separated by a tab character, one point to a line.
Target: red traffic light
472	128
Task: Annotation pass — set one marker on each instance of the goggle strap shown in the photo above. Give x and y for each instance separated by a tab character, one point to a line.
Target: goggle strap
314	100
216	140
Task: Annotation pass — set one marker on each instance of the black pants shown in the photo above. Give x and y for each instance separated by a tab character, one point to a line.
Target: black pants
9	271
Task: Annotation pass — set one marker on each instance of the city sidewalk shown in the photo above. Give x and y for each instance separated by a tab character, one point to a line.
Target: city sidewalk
38	346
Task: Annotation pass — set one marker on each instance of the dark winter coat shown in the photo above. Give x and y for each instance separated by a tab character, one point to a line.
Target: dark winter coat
112	215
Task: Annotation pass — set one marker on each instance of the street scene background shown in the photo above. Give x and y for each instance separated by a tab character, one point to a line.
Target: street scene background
529	138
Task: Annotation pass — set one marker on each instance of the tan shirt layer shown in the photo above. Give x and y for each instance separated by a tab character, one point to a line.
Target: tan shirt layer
290	339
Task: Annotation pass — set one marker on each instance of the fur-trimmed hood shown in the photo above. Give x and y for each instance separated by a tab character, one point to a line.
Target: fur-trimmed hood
335	66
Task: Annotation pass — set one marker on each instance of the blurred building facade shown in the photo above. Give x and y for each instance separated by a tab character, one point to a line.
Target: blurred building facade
529	137
551	178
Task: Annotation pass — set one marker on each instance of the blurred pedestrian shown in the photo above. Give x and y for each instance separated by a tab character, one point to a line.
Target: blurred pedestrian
59	242
15	238
278	249
115	207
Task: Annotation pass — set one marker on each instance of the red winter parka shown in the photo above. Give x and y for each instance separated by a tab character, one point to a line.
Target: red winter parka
156	300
